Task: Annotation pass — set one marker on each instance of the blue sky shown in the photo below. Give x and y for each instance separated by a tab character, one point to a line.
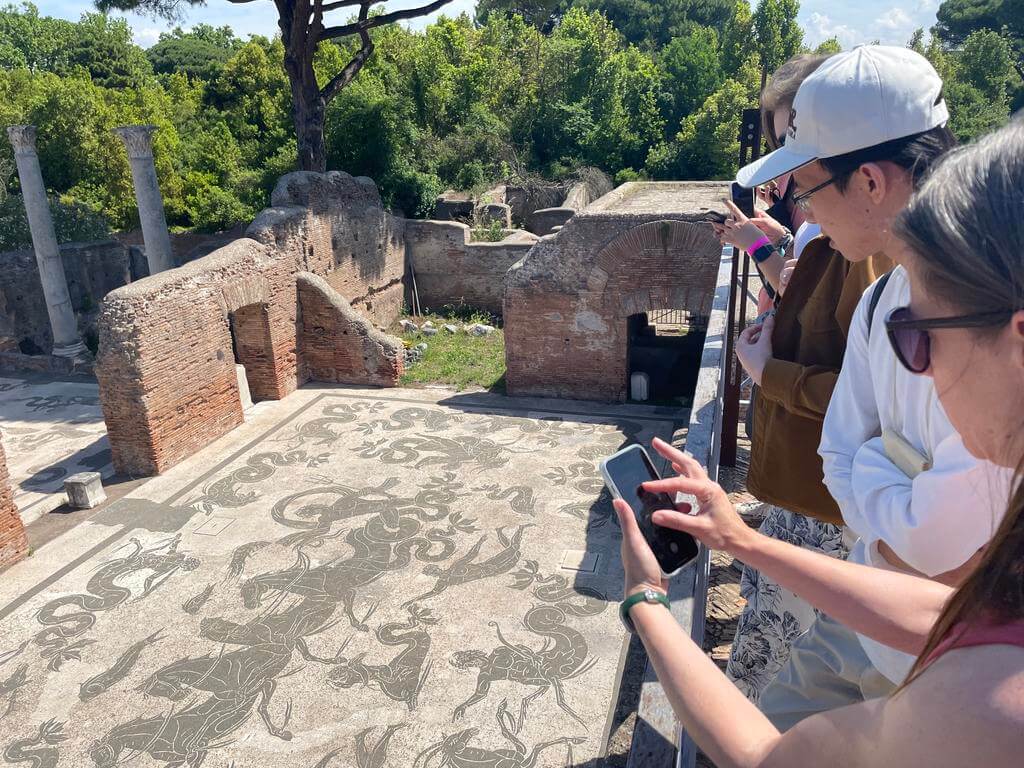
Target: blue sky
852	23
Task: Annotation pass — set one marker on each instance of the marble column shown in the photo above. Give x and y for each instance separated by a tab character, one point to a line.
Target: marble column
66	341
138	139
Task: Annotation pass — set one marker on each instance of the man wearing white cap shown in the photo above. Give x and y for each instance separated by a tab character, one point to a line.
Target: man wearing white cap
862	135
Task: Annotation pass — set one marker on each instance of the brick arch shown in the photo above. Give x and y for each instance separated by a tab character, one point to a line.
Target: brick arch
660	264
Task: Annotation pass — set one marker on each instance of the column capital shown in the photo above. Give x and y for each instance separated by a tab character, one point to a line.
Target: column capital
138	139
23	139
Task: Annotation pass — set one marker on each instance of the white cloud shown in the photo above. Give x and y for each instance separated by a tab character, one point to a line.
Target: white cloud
894	19
144	37
820	28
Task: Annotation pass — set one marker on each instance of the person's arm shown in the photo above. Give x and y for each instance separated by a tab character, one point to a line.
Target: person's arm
851	419
896	609
732	731
893	608
940	519
801	389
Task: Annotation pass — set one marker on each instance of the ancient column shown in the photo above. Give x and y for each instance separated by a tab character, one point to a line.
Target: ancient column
138	139
66	341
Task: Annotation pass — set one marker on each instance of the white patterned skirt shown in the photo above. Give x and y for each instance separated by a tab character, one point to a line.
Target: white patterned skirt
773	616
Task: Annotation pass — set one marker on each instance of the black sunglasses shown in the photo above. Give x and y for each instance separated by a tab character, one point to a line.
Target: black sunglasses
911	342
803	200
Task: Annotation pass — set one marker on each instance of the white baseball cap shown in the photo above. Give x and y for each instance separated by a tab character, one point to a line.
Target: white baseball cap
856	99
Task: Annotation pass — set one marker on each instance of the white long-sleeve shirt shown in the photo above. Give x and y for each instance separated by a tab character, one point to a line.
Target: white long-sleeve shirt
934	522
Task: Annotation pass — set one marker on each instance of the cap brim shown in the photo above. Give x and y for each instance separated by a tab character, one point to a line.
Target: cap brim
771	166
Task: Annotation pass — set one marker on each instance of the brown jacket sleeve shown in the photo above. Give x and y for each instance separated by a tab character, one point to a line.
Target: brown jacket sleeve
801	389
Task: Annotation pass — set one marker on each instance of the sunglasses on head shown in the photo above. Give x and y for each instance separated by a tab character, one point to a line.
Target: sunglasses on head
911	342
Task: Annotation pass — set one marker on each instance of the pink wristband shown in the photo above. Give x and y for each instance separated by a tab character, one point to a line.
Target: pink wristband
765	240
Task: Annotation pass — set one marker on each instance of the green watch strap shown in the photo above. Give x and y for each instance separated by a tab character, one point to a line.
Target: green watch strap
644	596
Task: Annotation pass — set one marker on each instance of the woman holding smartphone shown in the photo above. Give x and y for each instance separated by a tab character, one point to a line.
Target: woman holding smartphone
962	243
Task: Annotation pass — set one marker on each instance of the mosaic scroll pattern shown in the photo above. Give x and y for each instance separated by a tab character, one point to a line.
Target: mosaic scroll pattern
371	584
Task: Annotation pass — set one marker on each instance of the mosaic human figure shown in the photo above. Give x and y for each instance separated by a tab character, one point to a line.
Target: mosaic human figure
564	656
236	681
455	751
403	677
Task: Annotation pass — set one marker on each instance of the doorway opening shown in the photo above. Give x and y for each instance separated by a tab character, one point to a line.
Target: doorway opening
664	346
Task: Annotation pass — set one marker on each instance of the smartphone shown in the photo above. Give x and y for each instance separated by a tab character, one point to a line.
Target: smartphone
624	473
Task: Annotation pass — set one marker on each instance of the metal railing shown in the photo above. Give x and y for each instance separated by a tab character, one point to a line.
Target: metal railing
658	740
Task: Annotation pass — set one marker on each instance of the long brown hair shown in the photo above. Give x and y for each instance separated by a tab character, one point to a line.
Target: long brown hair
781	90
966	229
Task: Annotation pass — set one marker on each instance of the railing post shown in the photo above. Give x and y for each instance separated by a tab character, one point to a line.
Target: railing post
750	150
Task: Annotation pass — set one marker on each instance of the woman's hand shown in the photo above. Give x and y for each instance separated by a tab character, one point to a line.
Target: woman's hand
742	232
716	524
642	569
738	230
787	274
769	226
754	348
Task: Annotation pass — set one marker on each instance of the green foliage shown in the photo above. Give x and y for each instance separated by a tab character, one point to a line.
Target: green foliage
651	24
199	53
692	68
459	360
828	47
777	34
979	76
72	222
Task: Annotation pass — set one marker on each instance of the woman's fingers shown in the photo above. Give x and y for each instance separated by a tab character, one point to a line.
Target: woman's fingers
736	212
750	334
627	520
680	521
688	465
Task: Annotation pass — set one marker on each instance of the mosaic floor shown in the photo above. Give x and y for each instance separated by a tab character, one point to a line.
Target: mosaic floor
51	430
352	578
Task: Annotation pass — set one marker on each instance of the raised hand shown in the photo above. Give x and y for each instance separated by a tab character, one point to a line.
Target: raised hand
716	523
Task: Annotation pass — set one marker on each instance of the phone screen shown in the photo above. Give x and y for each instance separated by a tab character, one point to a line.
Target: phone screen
628	470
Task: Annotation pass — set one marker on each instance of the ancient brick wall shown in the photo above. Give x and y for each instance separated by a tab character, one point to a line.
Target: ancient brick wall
13	544
567	304
169	342
92	271
452	270
340	345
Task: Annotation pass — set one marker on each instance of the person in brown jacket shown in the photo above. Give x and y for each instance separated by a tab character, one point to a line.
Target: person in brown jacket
794	357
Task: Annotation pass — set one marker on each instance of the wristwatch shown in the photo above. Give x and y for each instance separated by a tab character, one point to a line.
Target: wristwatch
646	596
763	253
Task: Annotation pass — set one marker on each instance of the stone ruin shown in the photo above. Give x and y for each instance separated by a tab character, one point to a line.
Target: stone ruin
540	208
310	290
580	301
293	301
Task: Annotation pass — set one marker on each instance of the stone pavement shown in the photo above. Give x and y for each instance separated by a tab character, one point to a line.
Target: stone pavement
351	578
52	429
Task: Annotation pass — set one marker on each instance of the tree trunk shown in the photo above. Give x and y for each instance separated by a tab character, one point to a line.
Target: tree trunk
308	107
308	115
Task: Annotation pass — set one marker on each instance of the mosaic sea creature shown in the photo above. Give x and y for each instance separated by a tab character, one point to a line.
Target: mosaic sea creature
118	671
455	752
464	570
42	750
403	677
103	593
564	656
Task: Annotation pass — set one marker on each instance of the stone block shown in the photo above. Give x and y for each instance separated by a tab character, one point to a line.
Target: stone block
85	490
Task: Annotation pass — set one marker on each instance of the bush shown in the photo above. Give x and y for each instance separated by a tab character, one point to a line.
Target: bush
72	222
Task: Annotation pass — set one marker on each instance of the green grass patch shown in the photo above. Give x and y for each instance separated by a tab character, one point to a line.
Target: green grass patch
458	360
